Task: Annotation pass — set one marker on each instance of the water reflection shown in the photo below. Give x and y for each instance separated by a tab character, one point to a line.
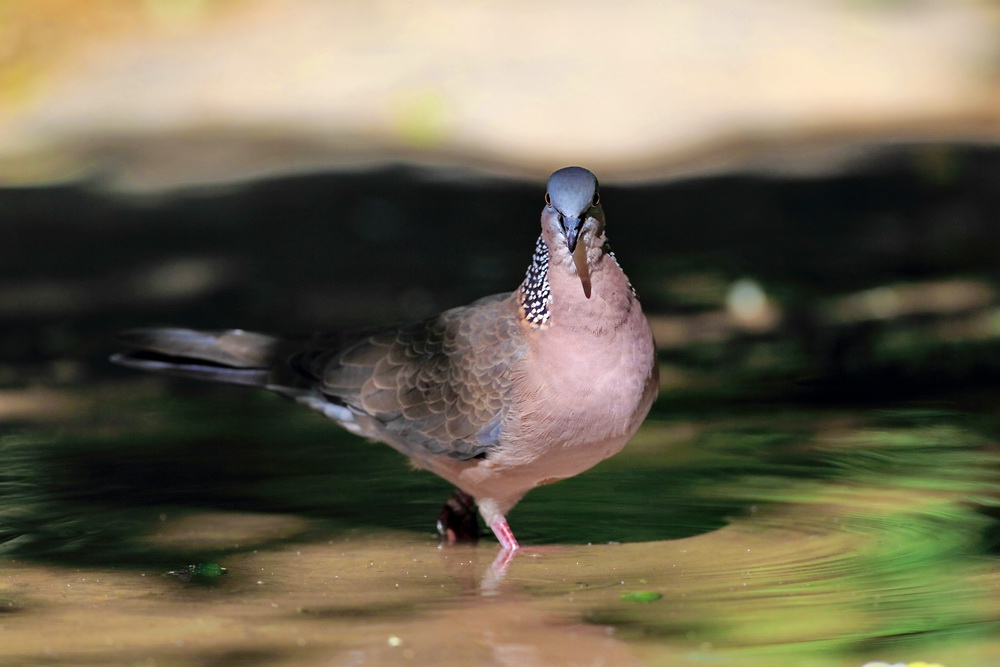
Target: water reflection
763	538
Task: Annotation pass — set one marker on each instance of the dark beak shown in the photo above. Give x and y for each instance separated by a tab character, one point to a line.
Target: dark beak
572	228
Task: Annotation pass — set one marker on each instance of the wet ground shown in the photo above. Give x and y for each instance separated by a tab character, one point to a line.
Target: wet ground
816	485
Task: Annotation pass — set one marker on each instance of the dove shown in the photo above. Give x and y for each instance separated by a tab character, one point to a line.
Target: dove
508	393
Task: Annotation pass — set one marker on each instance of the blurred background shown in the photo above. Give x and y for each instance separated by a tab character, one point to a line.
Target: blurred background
149	94
805	193
816	179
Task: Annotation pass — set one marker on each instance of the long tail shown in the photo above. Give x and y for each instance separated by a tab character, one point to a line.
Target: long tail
233	356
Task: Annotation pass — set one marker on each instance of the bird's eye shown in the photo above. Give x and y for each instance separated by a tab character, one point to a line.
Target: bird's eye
596	200
548	200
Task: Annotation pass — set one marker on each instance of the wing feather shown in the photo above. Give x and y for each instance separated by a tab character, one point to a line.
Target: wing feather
439	385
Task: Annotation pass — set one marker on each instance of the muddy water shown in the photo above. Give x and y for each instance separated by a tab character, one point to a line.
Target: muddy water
763	536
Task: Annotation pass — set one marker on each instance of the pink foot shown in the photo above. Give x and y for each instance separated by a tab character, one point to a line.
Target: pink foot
504	534
508	547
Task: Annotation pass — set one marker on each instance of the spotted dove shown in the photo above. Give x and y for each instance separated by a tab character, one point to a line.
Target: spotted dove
510	392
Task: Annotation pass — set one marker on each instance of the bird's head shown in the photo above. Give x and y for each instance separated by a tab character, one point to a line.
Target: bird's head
573	216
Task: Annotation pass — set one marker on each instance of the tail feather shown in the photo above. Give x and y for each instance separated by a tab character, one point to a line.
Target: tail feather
231	347
233	356
247	376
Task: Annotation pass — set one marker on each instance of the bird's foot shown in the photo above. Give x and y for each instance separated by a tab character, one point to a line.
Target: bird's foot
502	563
508	549
505	535
457	521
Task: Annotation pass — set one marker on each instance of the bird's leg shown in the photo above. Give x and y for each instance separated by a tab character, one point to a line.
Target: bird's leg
494	518
497	571
504	534
457	521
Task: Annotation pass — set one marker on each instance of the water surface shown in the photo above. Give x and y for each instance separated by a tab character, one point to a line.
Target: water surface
816	485
784	535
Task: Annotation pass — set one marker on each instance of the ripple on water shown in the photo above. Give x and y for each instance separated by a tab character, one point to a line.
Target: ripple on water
848	540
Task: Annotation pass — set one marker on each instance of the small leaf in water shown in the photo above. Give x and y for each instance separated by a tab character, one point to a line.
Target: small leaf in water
640	596
210	570
200	571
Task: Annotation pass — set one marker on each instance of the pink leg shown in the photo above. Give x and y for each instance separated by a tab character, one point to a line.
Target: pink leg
504	534
508	547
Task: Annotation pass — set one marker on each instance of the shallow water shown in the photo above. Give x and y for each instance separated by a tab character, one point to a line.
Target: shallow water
767	535
816	485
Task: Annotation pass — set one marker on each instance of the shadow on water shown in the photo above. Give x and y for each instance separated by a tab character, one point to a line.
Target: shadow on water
86	495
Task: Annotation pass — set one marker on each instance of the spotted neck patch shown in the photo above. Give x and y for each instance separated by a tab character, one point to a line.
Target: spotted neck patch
536	296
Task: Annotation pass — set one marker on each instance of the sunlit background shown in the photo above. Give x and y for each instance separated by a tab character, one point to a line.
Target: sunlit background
805	193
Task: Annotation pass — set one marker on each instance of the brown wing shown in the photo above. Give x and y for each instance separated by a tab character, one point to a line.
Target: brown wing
440	384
